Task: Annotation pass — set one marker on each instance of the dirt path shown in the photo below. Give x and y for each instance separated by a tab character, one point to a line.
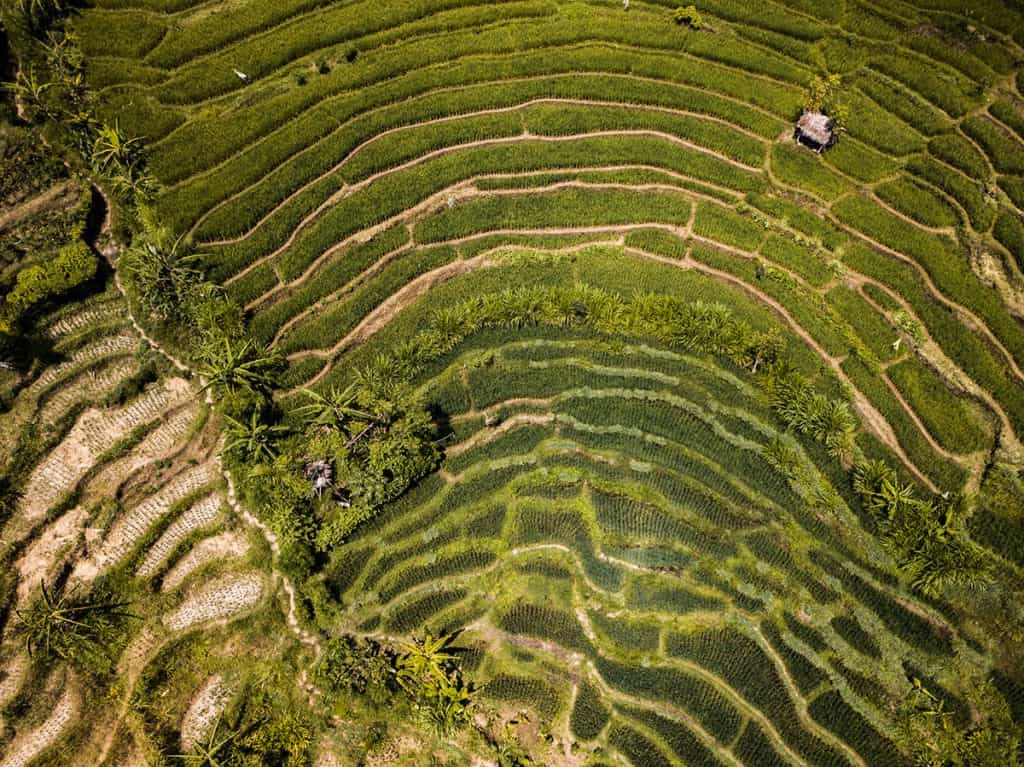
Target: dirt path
462	192
801	703
375	268
946	231
877	424
385	312
58	195
873	419
292	616
490	434
628	78
957	458
967	317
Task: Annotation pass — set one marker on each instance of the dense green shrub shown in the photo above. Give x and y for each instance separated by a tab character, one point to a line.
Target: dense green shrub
688	17
73	265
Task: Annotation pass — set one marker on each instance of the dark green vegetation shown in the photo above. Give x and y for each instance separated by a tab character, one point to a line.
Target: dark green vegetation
595	420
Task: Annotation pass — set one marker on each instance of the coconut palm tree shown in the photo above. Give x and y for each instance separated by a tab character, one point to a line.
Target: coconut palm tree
39	13
113	150
31	90
431	676
119	159
381	384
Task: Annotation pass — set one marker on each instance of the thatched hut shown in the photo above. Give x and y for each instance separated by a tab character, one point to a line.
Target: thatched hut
816	131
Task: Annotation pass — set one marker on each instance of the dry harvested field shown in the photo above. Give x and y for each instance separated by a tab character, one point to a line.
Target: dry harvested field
580	383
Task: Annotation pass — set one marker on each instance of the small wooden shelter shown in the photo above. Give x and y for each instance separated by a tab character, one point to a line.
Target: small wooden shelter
816	131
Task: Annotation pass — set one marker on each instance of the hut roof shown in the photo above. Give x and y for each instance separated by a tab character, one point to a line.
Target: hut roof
816	126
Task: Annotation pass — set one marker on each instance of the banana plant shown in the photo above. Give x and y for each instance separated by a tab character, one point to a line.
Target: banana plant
234	366
252	440
333	409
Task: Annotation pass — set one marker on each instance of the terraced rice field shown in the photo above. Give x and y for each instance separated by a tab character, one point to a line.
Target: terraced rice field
122	490
319	186
519	205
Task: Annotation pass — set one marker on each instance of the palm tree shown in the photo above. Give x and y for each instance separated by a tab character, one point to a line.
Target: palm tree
31	89
893	495
61	624
113	149
162	272
869	476
945	560
431	676
214	751
252	440
836	427
233	366
381	383
424	659
119	158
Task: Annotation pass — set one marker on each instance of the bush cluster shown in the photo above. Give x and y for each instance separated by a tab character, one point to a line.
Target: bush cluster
73	265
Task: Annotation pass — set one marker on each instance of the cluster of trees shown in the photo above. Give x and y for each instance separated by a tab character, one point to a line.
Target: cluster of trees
688	16
73	266
694	326
425	673
51	90
338	459
928	538
824	94
829	421
933	737
36	15
424	670
164	278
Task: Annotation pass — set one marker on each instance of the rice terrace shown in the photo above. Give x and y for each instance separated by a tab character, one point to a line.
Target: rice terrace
509	383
